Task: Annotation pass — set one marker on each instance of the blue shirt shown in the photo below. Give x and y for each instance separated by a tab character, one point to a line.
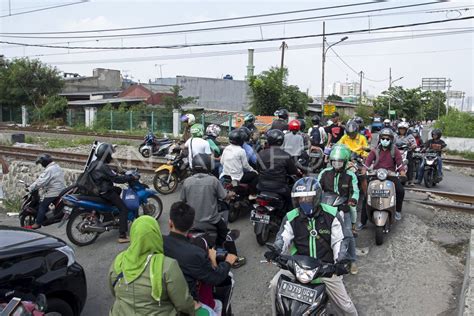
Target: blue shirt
251	156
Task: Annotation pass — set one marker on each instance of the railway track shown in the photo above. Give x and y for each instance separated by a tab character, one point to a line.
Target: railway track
30	154
461	201
459	162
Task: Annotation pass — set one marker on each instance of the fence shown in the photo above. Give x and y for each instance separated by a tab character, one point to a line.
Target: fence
224	120
10	114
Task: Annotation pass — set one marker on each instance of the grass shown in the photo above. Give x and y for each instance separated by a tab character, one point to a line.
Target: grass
59	142
465	154
12	205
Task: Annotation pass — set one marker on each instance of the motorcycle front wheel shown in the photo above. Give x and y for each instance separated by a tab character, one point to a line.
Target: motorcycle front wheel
146	153
264	235
234	213
378	235
76	225
27	220
162	184
152	207
428	177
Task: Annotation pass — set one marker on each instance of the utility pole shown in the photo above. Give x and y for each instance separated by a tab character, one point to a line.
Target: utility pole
322	67
447	95
361	73
462	102
389	86
283	47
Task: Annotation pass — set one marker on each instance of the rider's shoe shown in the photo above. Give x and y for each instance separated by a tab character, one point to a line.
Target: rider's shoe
354	269
239	262
123	239
361	226
398	216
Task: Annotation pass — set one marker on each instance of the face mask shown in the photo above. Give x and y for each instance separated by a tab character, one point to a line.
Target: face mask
385	142
307	208
337	164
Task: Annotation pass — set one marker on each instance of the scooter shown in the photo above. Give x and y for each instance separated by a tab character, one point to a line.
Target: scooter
301	294
89	216
404	149
430	172
30	203
153	146
169	175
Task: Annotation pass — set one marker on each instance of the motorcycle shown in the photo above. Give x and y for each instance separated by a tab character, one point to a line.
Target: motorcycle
300	294
404	149
169	175
153	146
30	203
381	201
430	171
316	159
89	216
240	201
417	159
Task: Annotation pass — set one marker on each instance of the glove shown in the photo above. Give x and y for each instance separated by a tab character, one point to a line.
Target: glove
352	202
342	268
271	255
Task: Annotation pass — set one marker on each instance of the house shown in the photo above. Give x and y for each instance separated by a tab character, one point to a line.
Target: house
101	80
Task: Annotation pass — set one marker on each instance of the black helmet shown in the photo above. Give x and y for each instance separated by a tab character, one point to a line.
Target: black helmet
236	137
306	195
275	137
104	152
302	125
202	163
245	133
282	113
352	128
315	120
44	160
436	132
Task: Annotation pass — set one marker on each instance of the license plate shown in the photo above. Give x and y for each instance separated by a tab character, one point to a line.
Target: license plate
298	292
170	157
259	218
380	193
315	155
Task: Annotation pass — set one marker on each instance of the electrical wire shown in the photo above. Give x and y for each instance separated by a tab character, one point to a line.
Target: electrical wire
218	28
174	46
43	9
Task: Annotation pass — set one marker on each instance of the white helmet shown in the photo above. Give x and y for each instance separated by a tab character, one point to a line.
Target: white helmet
189	118
213	130
403	125
386	121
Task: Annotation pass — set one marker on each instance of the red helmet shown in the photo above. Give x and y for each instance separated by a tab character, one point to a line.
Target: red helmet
294	125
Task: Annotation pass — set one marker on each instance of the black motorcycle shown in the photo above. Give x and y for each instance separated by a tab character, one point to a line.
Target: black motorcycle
240	201
153	146
30	203
430	171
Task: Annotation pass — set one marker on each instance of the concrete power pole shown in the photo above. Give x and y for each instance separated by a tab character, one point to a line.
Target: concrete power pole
389	86
322	68
283	47
447	95
361	73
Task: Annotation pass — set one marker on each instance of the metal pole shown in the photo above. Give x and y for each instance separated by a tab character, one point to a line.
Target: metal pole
282	62
323	60
152	122
131	122
389	87
447	96
360	87
111	120
462	102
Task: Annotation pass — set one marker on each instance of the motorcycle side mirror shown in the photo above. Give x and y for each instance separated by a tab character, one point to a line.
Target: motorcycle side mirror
21	181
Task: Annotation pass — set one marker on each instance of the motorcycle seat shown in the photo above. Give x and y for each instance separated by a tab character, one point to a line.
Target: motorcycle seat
269	195
96	199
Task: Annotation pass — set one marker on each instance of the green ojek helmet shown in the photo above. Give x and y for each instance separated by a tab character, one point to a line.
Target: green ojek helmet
340	155
197	130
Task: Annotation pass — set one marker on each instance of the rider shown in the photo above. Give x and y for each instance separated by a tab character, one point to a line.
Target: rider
317	133
235	164
212	132
249	122
104	178
437	145
355	141
51	180
281	122
313	229
306	138
293	143
196	144
335	131
388	124
410	140
387	156
274	166
249	151
362	129
193	261
188	120
337	179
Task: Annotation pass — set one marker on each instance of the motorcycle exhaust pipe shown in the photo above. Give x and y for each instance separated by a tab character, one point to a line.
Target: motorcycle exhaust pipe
105	227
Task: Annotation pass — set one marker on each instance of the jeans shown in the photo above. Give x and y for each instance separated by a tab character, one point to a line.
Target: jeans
43	209
410	165
349	237
113	196
421	170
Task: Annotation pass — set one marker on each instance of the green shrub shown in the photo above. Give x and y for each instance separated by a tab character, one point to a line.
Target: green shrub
457	124
12	204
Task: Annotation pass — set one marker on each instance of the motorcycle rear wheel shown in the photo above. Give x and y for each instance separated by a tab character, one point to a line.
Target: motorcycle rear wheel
75	226
153	207
233	214
161	184
27	220
378	235
264	236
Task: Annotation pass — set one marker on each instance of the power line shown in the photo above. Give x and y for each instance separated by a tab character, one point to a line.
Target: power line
174	46
217	28
43	9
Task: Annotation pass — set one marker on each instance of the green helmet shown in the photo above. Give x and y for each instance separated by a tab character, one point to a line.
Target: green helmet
340	155
197	130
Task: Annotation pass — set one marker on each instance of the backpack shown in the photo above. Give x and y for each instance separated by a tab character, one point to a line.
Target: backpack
315	136
86	184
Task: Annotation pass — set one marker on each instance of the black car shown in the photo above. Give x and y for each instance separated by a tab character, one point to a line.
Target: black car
33	263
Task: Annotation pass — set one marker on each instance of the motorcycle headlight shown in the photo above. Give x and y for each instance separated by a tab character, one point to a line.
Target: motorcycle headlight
382	174
303	275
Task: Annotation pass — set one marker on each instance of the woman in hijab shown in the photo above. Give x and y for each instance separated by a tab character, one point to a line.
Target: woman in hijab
144	281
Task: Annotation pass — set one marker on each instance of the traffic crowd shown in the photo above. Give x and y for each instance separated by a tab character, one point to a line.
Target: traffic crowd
185	273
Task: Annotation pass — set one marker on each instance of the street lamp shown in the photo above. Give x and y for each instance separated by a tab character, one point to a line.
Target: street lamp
325	50
390	98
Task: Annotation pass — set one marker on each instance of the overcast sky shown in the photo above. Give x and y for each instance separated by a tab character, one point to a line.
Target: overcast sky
412	57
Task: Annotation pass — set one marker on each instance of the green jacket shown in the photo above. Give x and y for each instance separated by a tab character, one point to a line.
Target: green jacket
135	299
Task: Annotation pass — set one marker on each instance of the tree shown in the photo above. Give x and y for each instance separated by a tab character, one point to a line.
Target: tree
333	97
28	82
435	105
270	92
365	112
176	100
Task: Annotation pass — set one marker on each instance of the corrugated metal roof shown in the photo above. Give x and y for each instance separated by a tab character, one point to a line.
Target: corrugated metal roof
105	101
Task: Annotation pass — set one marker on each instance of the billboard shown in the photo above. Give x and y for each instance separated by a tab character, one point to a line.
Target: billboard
433	84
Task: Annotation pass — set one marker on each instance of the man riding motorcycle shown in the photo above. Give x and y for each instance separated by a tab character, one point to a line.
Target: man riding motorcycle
293	143
196	144
336	179
335	131
249	151
306	138
51	180
362	129
274	164
354	140
437	145
312	229
410	140
249	122
281	122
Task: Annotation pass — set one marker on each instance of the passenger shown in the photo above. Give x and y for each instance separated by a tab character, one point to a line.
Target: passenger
410	140
196	144
306	138
317	133
212	132
282	122
293	143
143	280
193	261
312	229
437	145
356	142
363	130
251	155
335	131
51	180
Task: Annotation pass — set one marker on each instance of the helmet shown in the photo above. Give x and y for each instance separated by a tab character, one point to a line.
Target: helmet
275	137
201	163
339	156
213	130
403	125
104	152
315	119
352	128
294	125
329	123
44	160
306	195
302	124
197	130
386	121
436	132
249	118
281	113
386	132
359	121
188	118
245	133
236	137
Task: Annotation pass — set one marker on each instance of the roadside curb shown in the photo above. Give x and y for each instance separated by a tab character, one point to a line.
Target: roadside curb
466	300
